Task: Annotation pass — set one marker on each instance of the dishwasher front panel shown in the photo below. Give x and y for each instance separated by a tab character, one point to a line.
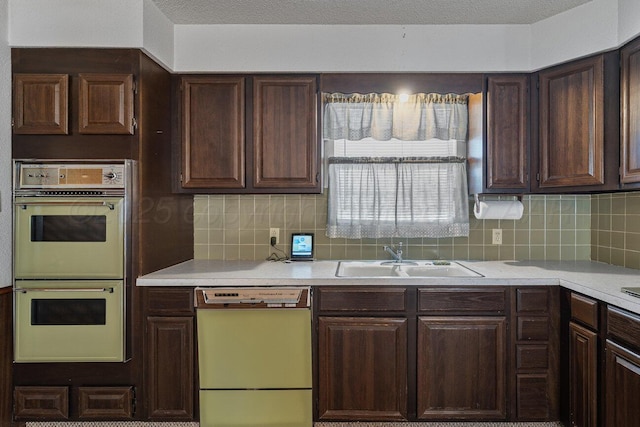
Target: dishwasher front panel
254	349
259	408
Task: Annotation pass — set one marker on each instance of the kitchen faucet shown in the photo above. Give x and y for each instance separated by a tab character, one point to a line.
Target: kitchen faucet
395	252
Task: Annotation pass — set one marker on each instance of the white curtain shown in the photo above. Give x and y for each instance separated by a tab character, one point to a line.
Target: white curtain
397	197
385	116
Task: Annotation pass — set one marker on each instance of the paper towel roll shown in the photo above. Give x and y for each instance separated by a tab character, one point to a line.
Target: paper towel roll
498	209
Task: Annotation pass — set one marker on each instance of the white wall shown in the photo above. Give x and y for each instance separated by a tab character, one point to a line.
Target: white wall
157	37
628	20
319	48
76	23
581	31
592	27
5	149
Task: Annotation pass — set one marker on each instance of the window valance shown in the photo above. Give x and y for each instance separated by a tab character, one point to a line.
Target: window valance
385	116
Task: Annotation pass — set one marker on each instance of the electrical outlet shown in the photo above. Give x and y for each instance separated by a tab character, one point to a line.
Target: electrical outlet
274	232
496	236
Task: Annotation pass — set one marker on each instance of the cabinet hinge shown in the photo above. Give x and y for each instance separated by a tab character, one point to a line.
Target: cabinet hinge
538	177
134	401
181	178
135	87
13	123
318	177
134	123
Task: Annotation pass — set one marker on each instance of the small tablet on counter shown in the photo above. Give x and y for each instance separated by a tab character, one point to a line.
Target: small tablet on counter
301	247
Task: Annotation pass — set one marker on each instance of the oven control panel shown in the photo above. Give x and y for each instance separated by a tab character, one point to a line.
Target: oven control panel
70	176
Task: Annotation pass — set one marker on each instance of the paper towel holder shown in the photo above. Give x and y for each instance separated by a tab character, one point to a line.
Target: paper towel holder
476	196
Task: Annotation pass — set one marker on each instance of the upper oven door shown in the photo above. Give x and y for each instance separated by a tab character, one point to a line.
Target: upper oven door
69	237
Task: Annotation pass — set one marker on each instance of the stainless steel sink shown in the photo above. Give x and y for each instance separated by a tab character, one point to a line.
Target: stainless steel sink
404	269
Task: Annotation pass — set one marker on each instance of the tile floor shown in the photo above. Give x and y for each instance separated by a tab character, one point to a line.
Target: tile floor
323	424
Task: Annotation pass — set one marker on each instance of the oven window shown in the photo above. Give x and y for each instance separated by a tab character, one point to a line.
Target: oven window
68	311
68	228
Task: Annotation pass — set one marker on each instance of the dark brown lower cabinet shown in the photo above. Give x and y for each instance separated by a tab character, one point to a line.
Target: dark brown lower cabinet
52	403
106	403
362	368
583	376
535	335
38	403
436	353
622	386
171	374
170	353
461	368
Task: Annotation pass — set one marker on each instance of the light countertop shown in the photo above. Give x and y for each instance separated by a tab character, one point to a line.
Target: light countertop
598	280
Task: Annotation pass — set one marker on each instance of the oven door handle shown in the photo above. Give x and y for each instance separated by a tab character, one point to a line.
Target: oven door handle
24	205
25	290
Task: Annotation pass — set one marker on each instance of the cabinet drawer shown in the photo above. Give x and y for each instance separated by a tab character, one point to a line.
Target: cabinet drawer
491	300
532	356
169	301
534	300
362	299
50	403
584	310
533	328
105	403
532	401
623	326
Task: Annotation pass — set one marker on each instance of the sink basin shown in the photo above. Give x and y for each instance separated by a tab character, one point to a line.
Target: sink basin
404	269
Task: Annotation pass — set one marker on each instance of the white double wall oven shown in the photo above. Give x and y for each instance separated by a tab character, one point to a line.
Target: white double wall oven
72	224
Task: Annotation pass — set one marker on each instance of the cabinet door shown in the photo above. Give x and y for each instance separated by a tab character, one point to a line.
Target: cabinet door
622	387
106	104
213	150
171	380
583	376
40	104
572	124
461	368
630	113
362	368
507	132
285	143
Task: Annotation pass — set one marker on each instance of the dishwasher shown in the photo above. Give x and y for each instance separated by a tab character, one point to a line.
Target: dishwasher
254	356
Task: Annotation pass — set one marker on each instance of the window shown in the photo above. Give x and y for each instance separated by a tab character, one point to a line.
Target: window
422	193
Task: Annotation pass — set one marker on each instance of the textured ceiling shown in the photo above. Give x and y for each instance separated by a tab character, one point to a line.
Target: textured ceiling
363	12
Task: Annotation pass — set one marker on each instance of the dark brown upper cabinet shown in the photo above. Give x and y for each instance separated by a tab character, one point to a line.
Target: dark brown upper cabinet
106	104
571	124
285	132
630	113
213	150
40	104
249	134
507	138
577	125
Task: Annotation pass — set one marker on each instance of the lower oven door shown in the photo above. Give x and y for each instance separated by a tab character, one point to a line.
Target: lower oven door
69	321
